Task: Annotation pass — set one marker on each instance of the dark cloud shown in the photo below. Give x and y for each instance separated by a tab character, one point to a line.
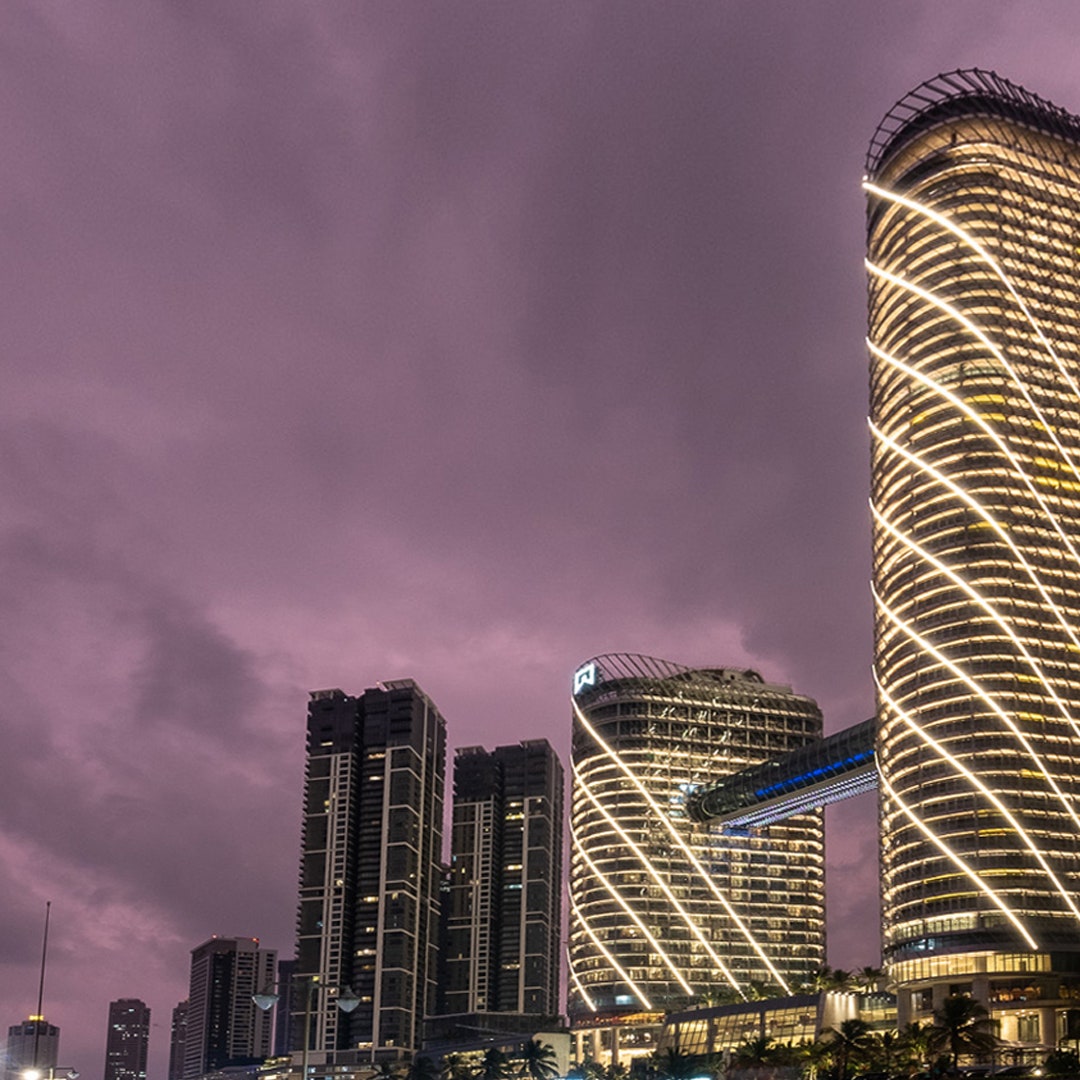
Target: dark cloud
458	342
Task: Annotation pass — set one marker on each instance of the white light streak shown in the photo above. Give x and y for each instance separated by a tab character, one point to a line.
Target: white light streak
607	956
972	328
619	899
577	982
664	887
959	766
967	238
1032	662
681	843
958	862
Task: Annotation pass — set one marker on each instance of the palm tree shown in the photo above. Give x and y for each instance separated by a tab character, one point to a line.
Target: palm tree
387	1070
917	1042
885	1050
1062	1063
848	1042
754	1053
674	1064
494	1066
813	1056
868	979
456	1067
423	1067
538	1061
962	1026
616	1071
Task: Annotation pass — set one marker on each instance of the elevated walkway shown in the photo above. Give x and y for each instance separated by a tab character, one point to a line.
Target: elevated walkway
817	774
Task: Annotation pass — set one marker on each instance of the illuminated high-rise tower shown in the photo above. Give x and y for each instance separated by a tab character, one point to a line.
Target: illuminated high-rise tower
127	1040
502	907
368	922
665	911
973	192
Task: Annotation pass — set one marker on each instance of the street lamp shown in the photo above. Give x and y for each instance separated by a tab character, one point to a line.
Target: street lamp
345	999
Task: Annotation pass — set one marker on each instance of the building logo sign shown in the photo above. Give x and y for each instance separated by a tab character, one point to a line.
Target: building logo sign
584	677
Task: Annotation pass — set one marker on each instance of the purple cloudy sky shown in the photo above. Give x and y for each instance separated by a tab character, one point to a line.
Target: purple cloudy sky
350	341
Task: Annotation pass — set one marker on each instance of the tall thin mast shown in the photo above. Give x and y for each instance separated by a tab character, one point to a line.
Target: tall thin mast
39	1019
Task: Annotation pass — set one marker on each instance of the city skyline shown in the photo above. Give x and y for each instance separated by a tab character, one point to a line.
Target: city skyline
415	345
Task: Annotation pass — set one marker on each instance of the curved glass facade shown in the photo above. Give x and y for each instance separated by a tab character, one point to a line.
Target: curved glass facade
974	339
665	911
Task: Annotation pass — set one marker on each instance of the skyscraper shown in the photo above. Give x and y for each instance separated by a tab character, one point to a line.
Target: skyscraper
177	1040
973	189
666	910
501	912
224	1026
33	1044
370	869
127	1040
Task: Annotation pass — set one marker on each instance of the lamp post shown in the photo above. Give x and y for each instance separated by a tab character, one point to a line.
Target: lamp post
345	1000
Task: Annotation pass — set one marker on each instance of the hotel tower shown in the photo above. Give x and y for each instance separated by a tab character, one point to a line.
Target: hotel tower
973	189
666	911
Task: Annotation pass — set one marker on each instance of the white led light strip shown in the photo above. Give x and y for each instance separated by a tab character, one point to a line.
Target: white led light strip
619	969
967	238
959	766
964	497
681	844
618	898
911	545
967	324
664	887
958	862
977	419
577	982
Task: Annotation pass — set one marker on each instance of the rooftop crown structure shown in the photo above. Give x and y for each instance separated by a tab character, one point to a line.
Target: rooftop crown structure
973	188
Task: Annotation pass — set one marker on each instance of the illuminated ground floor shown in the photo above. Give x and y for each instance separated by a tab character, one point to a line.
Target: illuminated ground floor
1033	998
720	1029
617	1039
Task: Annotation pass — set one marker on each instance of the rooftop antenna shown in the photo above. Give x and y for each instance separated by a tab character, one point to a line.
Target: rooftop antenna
40	1017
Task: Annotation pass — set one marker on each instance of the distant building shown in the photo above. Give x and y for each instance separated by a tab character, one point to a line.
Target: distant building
127	1040
665	910
177	1040
286	974
224	1026
370	872
502	910
33	1044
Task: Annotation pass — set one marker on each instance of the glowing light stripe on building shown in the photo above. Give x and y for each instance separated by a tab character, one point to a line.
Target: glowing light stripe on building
967	238
961	494
664	887
580	848
958	765
916	548
981	337
590	1004
681	844
616	966
958	862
